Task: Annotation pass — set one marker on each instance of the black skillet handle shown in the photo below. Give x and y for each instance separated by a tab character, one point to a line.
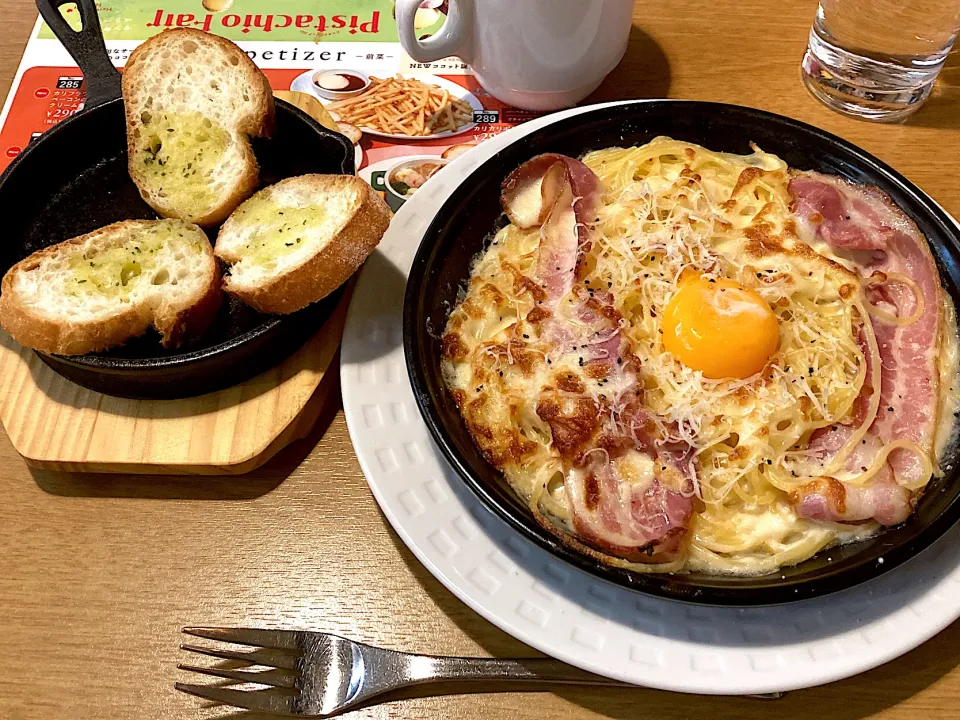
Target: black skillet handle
86	47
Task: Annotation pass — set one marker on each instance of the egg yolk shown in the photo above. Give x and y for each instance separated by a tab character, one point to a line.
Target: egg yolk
719	328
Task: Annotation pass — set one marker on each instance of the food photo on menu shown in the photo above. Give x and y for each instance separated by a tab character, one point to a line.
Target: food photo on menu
349	329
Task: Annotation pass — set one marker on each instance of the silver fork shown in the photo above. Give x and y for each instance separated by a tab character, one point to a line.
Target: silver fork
315	674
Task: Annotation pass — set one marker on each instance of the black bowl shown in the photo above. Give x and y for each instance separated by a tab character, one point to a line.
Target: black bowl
463	226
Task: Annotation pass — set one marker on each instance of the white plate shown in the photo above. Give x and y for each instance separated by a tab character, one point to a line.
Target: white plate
561	610
304	83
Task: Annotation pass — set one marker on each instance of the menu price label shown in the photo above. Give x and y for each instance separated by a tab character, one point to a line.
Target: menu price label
486	116
69	83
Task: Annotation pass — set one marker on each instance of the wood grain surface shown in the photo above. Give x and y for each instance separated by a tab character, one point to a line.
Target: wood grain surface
98	573
57	425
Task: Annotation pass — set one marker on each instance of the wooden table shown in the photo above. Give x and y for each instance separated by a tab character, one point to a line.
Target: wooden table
98	573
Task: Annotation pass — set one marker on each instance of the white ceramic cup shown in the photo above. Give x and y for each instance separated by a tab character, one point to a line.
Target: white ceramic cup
532	54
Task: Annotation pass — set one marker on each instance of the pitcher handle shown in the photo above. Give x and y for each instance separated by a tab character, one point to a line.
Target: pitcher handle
449	40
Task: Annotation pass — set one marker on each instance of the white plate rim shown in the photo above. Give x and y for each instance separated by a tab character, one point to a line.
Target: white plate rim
303	83
703	662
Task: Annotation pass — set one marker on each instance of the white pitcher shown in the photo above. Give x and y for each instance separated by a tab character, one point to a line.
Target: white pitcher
531	54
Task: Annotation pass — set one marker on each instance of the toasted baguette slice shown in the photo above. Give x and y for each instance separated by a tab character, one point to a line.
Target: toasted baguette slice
192	100
101	289
296	242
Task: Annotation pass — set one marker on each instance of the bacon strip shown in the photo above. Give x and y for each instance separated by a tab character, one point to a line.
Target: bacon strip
639	521
530	192
626	493
560	195
839	212
829	499
641	517
629	495
863	225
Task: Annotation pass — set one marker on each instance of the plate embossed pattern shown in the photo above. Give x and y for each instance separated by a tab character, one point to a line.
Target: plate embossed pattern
561	610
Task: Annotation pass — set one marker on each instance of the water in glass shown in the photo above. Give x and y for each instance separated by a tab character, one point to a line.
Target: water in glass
878	59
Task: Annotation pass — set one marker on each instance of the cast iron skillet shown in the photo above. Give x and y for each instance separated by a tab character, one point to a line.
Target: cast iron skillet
464	225
73	179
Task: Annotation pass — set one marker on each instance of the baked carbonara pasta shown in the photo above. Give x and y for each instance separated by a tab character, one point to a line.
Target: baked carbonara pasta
691	360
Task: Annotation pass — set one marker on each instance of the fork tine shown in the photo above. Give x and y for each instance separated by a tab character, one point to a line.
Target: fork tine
266	677
265	701
280	639
272	658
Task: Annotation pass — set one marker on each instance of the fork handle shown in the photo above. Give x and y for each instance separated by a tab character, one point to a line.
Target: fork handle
437	669
424	669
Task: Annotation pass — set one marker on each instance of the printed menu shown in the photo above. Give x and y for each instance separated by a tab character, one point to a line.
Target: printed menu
339	60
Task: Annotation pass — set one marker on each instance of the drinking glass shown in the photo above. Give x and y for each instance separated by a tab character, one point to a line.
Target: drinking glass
878	59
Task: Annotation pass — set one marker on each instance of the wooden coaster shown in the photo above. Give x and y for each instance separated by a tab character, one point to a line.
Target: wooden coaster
58	425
